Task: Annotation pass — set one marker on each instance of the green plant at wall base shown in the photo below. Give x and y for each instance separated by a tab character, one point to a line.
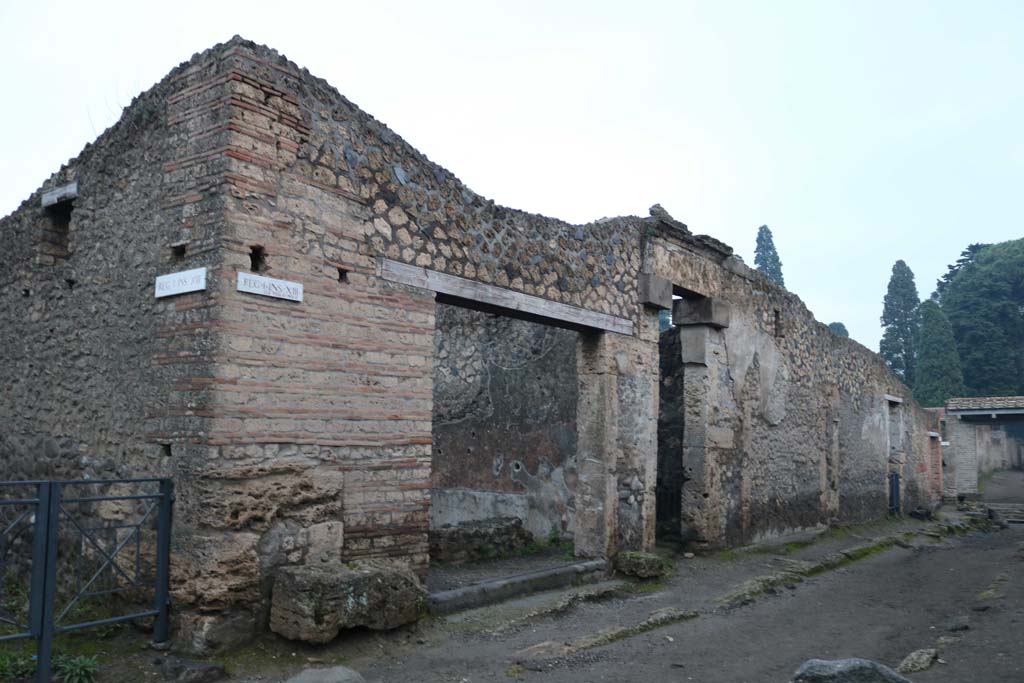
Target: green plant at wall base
15	665
80	669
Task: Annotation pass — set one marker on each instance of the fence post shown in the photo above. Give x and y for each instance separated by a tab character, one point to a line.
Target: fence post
161	629
44	651
35	593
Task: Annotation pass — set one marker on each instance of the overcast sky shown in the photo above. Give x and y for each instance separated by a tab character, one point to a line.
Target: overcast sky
860	132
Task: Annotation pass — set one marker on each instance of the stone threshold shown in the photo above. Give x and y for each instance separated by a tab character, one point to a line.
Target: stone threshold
518	585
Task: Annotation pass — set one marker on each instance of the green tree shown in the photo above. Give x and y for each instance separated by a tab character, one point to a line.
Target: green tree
839	329
967	257
900	322
766	259
938	371
984	301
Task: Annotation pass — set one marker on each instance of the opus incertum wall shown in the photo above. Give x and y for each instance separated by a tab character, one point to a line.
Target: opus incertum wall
291	395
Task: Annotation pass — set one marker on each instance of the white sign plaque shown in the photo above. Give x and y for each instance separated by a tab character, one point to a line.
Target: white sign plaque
179	283
268	286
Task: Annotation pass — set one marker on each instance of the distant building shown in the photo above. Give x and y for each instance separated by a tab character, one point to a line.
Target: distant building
983	436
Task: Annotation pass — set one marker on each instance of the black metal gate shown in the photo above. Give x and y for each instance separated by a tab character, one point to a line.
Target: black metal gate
38	518
894	493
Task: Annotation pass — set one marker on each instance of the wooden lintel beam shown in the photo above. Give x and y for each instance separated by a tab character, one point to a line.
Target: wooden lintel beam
501	298
64	193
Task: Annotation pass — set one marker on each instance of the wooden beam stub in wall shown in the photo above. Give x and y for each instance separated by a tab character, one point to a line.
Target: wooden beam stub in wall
501	298
64	193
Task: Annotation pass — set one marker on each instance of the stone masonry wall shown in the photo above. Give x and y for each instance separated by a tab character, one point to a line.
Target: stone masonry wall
504	422
414	211
100	378
87	350
787	425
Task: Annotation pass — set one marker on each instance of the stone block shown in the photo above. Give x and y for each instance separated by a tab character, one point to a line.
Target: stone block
853	670
720	437
642	565
209	633
335	674
478	539
186	671
694	344
701	311
314	603
918	660
655	291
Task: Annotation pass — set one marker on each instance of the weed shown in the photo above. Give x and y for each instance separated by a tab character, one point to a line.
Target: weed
15	665
76	669
641	587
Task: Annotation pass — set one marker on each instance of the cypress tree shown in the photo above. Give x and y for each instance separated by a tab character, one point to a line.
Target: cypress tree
766	259
839	329
939	375
900	321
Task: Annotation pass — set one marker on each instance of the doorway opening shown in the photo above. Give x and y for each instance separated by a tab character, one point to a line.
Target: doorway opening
504	460
672	421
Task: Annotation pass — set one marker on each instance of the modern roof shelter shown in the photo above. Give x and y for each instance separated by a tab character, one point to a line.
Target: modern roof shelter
985	434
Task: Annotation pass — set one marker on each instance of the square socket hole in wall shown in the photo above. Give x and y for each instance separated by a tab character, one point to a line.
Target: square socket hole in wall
178	251
342	275
257	258
56	230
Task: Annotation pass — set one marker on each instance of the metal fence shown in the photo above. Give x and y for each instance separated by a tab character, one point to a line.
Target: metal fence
75	540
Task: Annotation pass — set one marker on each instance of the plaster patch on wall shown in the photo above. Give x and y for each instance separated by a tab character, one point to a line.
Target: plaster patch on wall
746	346
874	430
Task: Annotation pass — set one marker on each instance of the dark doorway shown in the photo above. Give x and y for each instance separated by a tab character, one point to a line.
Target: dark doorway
894	493
671	475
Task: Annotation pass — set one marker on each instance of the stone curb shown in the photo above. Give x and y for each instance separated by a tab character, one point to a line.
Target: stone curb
800	570
490	592
538	656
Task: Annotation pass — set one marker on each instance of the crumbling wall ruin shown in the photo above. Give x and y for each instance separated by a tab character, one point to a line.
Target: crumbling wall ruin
305	432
